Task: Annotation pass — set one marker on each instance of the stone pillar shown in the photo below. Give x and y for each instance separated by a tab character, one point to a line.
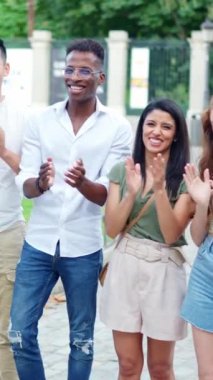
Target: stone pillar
117	70
41	46
198	86
198	72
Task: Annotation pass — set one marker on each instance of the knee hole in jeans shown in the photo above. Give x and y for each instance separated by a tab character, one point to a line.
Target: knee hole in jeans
82	348
15	338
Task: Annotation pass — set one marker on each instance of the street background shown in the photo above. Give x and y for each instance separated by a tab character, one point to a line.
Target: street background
54	335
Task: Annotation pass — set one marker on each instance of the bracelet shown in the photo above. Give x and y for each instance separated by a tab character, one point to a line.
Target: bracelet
38	187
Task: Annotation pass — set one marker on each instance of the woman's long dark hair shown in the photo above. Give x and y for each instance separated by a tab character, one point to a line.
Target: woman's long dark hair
206	160
179	152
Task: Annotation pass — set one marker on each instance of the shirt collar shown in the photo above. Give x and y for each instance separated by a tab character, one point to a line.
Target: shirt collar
100	107
61	106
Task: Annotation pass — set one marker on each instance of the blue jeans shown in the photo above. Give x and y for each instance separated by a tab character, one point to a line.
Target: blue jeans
197	306
36	275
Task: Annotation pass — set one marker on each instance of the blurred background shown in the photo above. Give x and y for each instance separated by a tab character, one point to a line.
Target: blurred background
162	48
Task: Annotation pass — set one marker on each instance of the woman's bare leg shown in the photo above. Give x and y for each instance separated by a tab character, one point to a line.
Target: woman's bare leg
160	359
203	342
129	350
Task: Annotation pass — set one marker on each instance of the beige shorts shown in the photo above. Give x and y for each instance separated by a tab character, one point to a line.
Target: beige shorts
144	289
11	241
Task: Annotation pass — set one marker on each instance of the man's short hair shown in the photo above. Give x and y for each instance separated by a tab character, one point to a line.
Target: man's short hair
87	45
3	51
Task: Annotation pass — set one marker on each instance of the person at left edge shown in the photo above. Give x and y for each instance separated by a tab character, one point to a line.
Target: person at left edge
68	151
12	225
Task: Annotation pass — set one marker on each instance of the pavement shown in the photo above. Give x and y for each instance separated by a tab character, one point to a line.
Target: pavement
54	333
53	338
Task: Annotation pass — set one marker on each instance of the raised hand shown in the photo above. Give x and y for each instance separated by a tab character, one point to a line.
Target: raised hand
133	176
46	174
76	174
158	171
199	190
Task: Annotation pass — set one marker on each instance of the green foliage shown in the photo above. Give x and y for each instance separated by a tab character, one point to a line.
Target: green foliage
13	18
211	70
169	71
179	93
94	18
140	18
210	11
27	207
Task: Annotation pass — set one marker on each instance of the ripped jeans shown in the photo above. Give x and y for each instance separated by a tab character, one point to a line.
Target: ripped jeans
36	275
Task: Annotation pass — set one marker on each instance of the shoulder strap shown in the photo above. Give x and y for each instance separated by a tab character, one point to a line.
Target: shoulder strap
136	219
139	216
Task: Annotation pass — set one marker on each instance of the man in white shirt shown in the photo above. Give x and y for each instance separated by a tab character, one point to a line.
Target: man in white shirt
11	218
68	151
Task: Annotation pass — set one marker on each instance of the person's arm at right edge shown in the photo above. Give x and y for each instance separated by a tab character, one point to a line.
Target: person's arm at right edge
200	192
198	227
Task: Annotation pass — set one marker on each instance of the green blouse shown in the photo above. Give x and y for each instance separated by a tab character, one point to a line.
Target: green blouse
147	227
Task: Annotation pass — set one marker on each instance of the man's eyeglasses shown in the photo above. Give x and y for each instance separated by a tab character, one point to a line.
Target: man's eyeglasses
81	72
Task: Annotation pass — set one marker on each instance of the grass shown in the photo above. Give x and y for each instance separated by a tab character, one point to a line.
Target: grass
27	206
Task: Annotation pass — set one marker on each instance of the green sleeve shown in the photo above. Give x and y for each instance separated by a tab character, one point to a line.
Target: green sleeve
117	173
182	188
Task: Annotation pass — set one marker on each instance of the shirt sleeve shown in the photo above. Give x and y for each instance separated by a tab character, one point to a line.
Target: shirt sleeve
116	173
31	154
182	189
21	122
120	149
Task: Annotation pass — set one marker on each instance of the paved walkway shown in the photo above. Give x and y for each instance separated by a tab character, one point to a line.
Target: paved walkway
53	339
54	345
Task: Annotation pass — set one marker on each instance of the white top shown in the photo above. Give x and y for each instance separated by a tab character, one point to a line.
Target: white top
12	122
63	213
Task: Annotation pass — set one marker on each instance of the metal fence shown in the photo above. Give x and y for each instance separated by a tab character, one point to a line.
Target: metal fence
195	121
211	69
17	43
168	76
168	71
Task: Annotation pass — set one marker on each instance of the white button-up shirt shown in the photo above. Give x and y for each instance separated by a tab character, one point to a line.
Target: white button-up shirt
12	122
63	213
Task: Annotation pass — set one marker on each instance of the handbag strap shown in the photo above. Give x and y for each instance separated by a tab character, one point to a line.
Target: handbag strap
136	219
139	216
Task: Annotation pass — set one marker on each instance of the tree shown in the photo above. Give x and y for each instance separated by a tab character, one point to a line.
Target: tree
13	18
94	18
31	16
141	18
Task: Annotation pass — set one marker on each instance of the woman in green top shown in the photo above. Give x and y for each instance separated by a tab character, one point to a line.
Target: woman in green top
146	283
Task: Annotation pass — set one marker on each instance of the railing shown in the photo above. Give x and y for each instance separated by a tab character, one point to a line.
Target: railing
169	63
